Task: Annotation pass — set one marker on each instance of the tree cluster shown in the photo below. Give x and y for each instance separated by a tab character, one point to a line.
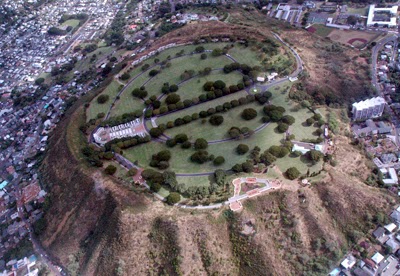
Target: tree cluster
160	159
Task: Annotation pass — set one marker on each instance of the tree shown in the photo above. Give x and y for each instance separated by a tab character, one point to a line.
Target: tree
200	144
132	172
199	49
200	156
219	160
216	120
173	88
292	173
103	99
249	114
164	155
247	167
219	84
39	81
267	158
153	73
275	115
242	149
282	127
155	187
208	86
310	121
216	52
110	169
173	198
181	138
203	56
125	76
172	98
314	155
287	119
156	132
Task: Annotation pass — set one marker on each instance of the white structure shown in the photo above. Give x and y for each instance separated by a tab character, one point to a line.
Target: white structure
377	258
389	176
367	109
382	16
349	262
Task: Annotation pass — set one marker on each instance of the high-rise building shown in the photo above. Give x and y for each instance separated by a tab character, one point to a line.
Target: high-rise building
367	109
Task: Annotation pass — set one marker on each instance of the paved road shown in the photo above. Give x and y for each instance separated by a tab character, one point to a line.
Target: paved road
374	57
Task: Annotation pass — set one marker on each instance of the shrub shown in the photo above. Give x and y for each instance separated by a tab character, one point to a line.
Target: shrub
103	99
292	173
249	113
219	160
242	149
110	169
203	56
101	115
173	198
216	120
200	144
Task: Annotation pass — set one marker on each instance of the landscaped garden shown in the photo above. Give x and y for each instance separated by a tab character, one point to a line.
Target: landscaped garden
208	118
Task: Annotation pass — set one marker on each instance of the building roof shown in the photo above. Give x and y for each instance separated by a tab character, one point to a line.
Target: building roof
379	232
390	227
349	262
377	258
371	20
395	215
369	103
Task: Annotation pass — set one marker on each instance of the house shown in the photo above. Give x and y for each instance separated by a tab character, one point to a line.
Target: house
377	258
393	244
390	227
379	233
395	215
349	262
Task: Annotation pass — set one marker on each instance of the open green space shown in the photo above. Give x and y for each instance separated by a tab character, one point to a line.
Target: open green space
201	128
360	11
193	87
96	108
178	66
322	30
72	22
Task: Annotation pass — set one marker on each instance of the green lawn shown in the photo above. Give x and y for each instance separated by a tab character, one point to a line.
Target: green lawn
199	107
360	11
322	30
245	55
178	66
194	87
209	132
181	157
72	22
95	108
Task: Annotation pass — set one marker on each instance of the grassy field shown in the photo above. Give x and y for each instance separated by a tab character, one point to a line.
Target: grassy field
72	22
96	108
360	11
322	30
199	107
178	66
194	87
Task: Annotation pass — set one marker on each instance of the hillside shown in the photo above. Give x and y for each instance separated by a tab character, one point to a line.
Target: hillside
98	225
